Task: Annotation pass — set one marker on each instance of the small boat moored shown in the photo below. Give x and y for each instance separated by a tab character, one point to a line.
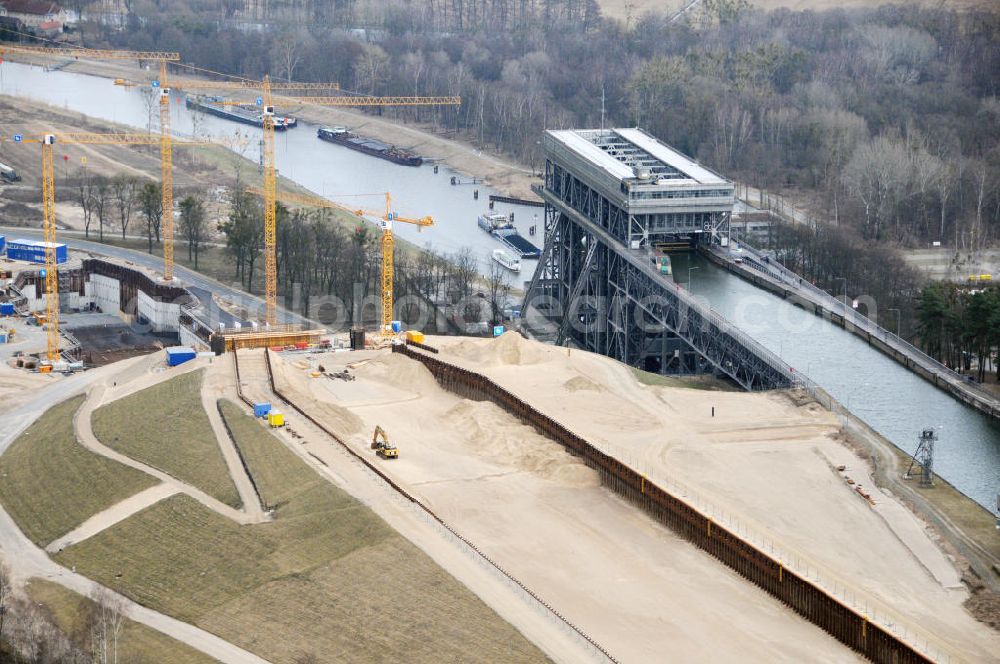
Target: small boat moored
506	260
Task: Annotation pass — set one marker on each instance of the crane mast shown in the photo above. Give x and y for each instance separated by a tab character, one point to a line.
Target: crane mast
166	176
49	233
270	214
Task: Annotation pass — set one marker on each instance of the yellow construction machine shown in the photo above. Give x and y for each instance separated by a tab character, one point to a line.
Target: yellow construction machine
382	446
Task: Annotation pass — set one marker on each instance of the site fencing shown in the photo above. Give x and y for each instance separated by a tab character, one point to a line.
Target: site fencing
428	515
881	638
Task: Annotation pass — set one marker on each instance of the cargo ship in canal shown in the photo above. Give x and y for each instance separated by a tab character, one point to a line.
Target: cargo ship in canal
369	146
500	227
243	113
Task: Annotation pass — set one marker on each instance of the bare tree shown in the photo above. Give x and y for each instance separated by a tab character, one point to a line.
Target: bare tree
878	174
463	276
194	226
151	209
288	52
5	594
85	197
101	197
125	189
945	184
151	103
498	283
107	622
372	68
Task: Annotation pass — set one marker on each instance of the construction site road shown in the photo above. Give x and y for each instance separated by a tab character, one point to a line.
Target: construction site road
334	464
182	274
213	389
26	560
113	515
85	434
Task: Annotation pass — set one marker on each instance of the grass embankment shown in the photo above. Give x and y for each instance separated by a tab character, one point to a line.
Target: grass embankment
137	642
970	517
50	484
708	383
327	577
166	427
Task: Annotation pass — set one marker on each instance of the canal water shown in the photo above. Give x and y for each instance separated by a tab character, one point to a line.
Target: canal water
326	169
893	401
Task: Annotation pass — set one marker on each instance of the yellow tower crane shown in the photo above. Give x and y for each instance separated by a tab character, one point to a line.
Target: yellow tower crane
48	141
385	219
166	152
270	178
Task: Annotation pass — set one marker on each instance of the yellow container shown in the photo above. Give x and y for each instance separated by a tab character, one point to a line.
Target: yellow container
415	336
276	419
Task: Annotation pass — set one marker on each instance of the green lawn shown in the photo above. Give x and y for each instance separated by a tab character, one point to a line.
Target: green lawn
166	427
137	642
50	483
327	577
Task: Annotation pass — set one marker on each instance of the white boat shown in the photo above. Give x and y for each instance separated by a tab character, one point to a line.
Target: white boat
506	260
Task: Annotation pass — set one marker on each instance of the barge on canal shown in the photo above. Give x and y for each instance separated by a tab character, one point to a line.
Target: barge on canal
369	146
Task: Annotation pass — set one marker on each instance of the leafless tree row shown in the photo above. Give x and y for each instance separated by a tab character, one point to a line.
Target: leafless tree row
29	634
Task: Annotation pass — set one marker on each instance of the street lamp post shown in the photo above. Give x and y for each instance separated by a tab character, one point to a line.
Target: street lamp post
897	320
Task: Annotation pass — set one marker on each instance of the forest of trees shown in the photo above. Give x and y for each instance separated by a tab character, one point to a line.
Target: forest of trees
886	119
961	327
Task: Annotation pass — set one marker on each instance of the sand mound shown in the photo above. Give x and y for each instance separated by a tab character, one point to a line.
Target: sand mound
298	386
509	348
493	434
400	372
579	383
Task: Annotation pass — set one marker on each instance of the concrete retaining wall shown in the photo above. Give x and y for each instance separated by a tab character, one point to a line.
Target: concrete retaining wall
162	316
105	293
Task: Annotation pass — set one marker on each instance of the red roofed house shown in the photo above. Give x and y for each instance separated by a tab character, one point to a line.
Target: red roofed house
35	13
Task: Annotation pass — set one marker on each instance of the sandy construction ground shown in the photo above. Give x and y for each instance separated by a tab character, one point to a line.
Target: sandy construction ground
627	582
763	462
18	386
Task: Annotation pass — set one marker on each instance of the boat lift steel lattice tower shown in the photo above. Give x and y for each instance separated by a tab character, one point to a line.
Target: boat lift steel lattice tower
613	197
924	457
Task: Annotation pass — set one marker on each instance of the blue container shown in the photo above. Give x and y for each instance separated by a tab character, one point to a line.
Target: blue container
3	242
261	409
179	355
6	308
33	251
397	326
